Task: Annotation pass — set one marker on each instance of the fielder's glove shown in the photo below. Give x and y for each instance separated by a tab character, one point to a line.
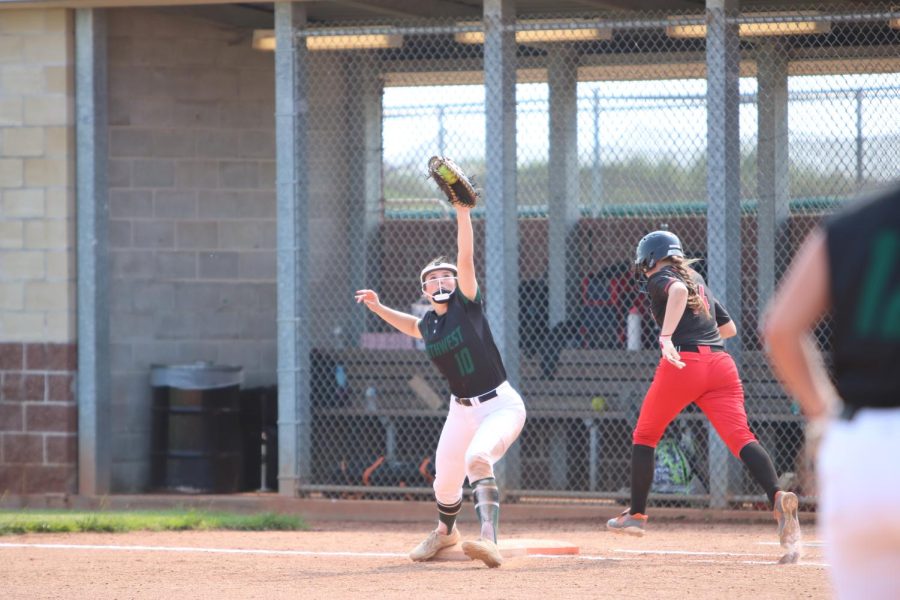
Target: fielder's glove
452	181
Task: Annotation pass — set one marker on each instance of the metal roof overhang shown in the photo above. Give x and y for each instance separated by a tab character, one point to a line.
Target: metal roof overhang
402	69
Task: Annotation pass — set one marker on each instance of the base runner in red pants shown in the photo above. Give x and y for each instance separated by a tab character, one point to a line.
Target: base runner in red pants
694	368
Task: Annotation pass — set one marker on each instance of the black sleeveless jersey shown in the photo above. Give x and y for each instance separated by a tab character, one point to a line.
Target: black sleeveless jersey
694	328
461	346
863	246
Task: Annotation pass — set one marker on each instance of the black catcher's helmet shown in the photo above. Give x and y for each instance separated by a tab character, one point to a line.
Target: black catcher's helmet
654	247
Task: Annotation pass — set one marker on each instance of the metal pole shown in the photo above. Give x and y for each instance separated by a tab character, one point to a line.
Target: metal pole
723	183
563	210
501	227
596	175
292	165
92	214
859	138
364	102
593	450
772	161
442	142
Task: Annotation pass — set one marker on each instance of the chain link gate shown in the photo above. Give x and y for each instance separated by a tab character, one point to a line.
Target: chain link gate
613	141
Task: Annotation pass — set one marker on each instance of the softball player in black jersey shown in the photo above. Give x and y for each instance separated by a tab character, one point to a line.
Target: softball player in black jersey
849	267
486	414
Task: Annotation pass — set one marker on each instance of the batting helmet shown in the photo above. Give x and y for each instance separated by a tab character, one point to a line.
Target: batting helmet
654	247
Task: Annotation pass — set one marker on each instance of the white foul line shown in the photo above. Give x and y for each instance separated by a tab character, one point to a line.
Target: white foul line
808	544
205	550
687	552
388	554
582	557
761	562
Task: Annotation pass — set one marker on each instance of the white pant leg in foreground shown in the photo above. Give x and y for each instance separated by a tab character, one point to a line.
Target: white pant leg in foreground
859	484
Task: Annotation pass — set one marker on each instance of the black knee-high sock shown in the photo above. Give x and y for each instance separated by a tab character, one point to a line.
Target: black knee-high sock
487	507
642	463
447	513
761	468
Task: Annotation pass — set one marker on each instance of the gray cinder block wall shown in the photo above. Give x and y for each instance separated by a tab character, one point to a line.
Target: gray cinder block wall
192	211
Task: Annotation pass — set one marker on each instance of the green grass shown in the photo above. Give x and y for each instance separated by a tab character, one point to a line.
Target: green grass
66	521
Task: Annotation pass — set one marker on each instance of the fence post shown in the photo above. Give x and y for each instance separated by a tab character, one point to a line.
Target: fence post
563	180
859	138
723	229
772	161
596	175
365	102
501	227
94	420
442	132
292	177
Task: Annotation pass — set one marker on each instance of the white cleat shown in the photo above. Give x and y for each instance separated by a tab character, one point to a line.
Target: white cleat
433	544
484	550
786	505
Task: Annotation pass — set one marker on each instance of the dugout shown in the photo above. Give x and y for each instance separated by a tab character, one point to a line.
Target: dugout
229	200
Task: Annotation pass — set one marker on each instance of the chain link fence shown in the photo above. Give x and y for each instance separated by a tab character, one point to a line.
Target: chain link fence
613	140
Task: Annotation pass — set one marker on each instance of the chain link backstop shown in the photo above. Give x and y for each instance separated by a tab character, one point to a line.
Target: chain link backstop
623	125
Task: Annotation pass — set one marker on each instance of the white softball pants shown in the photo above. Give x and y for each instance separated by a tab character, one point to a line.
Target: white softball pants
859	484
473	439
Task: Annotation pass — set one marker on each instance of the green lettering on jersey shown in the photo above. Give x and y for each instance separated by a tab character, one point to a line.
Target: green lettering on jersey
875	292
464	362
445	344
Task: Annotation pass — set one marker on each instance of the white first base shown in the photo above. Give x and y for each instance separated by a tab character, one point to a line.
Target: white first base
513	547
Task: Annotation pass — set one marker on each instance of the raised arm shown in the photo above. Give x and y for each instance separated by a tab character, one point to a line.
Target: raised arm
403	322
465	258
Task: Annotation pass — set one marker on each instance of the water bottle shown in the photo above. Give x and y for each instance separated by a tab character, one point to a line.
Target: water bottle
371	399
342	391
633	329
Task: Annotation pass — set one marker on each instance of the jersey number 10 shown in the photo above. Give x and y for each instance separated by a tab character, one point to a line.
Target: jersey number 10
464	362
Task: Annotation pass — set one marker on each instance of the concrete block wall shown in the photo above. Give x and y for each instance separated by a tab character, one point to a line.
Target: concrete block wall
193	211
38	415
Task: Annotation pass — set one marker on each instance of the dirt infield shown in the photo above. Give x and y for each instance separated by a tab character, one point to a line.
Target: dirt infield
354	560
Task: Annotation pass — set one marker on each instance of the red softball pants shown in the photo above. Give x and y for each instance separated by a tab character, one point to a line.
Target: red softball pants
711	380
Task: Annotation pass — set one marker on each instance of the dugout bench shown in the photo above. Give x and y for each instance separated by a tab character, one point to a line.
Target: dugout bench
567	444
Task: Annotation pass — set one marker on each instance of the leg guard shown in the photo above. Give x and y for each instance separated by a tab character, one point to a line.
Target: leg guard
487	507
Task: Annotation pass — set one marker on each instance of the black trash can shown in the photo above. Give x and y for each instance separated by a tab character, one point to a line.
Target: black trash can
197	446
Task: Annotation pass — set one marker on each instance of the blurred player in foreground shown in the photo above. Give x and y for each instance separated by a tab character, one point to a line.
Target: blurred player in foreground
849	266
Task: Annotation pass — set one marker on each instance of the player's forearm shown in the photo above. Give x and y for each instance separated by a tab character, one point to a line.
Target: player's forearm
798	363
465	238
728	330
675	306
403	322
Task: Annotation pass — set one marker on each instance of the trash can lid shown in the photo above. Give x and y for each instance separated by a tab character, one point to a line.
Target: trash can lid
201	375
